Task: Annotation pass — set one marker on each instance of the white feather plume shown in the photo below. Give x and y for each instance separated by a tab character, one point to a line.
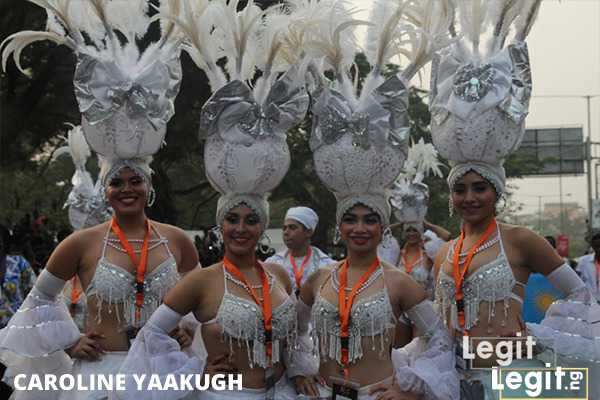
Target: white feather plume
69	20
195	21
527	17
385	33
240	33
473	20
77	148
130	17
421	161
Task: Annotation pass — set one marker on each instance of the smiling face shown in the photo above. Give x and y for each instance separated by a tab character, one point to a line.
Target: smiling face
361	229
474	198
127	192
241	230
412	235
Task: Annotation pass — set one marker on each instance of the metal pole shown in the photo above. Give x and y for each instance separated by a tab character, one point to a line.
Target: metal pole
562	218
596	180
540	214
589	162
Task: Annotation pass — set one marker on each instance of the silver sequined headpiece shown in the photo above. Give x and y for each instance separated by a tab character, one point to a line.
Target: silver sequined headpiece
480	91
360	138
125	94
244	124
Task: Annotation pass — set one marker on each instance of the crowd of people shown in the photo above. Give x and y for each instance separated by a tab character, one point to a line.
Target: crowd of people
389	320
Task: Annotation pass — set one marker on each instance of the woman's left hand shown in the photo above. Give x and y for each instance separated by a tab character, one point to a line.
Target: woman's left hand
391	391
307	385
182	335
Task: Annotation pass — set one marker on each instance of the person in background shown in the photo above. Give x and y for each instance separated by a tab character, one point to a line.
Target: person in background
16	280
300	259
589	265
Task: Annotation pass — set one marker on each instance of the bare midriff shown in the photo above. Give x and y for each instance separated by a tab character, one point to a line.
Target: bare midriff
217	345
372	367
110	325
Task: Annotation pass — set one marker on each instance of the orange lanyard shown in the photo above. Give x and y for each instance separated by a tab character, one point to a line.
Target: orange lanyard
140	270
265	304
408	266
298	274
459	276
75	293
345	306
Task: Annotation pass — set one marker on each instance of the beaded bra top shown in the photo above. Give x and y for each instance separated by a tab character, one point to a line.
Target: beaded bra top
491	283
419	273
113	285
371	316
242	320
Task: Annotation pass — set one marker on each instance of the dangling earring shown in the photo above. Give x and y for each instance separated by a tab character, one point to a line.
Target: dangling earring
501	208
337	236
264	243
217	232
386	237
450	206
151	197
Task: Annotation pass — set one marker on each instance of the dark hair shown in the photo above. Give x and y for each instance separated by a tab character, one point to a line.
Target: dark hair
4	240
551	240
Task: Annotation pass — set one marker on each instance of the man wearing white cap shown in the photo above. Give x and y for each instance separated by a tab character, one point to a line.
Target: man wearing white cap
300	259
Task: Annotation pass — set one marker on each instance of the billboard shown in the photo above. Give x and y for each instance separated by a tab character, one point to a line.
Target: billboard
560	150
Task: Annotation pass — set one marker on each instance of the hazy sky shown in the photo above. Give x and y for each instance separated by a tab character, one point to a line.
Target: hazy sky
564	48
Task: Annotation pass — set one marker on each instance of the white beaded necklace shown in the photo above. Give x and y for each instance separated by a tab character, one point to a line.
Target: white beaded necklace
233	279
113	242
463	256
335	283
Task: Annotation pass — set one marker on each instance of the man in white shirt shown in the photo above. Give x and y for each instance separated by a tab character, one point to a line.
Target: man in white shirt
589	266
300	259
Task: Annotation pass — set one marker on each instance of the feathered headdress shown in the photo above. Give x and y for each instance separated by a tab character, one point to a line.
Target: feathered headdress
124	93
360	137
86	202
409	195
481	88
246	120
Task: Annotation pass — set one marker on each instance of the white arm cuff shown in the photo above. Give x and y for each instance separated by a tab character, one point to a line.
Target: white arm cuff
565	279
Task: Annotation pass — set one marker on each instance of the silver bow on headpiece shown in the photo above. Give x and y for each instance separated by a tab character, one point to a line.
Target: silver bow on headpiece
478	111
125	115
125	94
381	120
233	113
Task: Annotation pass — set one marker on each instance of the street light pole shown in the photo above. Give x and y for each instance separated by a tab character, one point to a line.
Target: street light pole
589	161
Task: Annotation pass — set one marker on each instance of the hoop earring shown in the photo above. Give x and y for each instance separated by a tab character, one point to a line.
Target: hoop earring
386	237
337	236
217	231
264	243
501	208
151	197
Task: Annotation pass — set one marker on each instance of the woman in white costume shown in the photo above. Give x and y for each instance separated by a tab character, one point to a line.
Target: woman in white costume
409	200
125	265
358	307
247	309
480	96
